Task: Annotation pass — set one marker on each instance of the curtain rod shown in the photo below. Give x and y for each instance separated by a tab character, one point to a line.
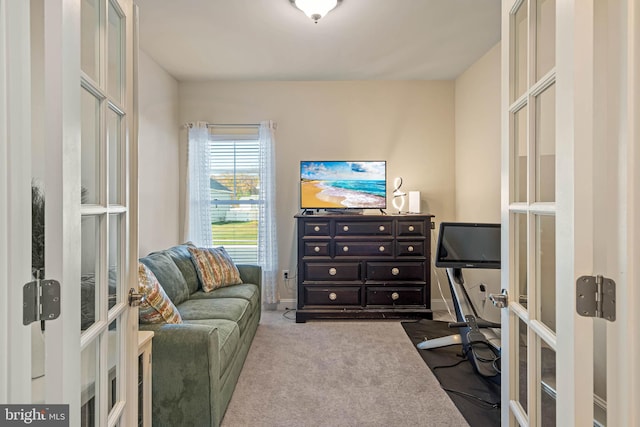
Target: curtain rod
246	125
272	125
226	125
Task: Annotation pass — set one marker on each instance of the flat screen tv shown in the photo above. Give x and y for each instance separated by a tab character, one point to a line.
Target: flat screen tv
343	184
468	245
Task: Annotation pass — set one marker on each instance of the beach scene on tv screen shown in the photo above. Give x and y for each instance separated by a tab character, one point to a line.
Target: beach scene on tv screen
340	184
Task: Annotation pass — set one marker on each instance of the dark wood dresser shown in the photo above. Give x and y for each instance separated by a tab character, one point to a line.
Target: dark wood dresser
364	266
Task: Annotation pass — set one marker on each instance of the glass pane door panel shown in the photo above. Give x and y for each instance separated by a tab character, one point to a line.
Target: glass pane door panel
90	384
114	143
545	36
521	245
113	365
89	280
115	259
520	155
114	60
90	147
546	268
520	50
521	375
90	38
546	145
547	385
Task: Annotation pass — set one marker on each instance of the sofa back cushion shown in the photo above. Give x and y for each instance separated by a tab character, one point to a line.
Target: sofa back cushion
168	274
181	256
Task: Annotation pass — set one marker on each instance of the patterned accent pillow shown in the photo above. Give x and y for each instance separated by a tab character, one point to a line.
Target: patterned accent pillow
215	268
156	306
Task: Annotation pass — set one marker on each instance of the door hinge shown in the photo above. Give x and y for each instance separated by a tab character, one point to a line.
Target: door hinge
596	297
40	301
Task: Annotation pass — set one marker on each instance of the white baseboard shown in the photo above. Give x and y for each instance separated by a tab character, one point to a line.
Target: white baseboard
436	305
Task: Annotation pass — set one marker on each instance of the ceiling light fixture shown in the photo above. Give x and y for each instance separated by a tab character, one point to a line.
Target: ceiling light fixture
315	9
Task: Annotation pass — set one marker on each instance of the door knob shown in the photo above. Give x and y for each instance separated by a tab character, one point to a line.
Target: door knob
500	300
135	298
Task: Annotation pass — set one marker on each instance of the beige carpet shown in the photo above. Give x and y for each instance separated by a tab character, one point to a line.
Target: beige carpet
336	373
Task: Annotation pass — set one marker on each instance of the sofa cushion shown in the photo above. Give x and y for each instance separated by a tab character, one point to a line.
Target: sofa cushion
235	309
182	257
215	268
247	291
168	275
156	307
228	339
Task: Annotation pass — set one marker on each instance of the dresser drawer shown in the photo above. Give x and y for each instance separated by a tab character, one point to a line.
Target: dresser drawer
411	228
395	271
407	295
316	271
364	248
364	228
316	228
410	248
335	295
316	248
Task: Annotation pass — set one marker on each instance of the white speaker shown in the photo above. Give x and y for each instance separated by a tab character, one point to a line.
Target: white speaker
414	202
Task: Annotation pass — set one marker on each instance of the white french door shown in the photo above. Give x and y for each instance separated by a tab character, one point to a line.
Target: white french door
15	200
108	246
569	209
83	96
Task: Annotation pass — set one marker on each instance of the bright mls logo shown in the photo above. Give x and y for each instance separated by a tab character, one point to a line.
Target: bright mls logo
34	415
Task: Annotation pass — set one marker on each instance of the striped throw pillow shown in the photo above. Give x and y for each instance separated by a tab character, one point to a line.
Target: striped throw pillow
156	306
215	268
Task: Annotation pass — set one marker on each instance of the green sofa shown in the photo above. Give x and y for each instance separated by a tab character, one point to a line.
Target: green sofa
196	364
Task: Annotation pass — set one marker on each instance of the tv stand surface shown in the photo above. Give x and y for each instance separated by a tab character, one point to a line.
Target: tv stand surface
363	266
337	212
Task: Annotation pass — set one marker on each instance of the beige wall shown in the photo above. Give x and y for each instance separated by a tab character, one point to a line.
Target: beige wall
158	141
477	159
477	148
408	123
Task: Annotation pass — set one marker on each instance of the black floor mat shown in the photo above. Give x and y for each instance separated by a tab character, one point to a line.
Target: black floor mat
477	398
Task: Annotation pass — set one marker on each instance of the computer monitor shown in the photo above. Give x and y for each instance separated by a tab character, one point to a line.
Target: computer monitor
468	245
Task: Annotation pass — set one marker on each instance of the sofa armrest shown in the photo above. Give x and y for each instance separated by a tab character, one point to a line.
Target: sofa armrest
250	273
185	373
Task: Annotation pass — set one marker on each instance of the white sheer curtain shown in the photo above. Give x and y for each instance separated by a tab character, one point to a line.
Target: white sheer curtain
267	233
198	186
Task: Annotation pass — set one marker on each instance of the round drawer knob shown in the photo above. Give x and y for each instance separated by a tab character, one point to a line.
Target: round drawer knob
395	296
316	228
345	228
411	228
317	249
333	296
345	249
381	248
410	248
395	271
332	271
381	228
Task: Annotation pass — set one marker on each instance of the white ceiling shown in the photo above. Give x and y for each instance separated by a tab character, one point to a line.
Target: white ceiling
359	40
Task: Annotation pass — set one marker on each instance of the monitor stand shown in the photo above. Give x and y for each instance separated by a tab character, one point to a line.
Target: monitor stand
440	342
468	324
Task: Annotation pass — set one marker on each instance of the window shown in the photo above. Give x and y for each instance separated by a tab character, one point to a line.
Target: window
231	195
234	186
